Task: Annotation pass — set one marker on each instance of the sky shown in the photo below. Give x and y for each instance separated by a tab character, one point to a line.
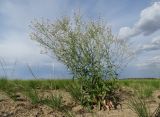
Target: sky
137	21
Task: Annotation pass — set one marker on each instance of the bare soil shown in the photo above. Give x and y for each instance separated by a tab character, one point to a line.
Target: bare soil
23	107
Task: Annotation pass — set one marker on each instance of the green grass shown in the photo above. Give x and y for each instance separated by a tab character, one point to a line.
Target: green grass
142	87
74	90
61	84
133	83
139	106
9	87
45	84
55	102
145	91
32	94
149	85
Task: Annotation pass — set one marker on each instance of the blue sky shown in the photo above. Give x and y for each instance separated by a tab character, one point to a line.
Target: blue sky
137	21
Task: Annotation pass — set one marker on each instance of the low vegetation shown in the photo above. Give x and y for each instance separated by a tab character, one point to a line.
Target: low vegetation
55	102
142	87
141	108
33	91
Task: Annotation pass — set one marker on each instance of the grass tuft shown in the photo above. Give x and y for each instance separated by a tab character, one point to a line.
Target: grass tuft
139	106
55	102
75	92
32	94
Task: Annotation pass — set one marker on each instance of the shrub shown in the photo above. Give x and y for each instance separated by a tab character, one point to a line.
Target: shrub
89	50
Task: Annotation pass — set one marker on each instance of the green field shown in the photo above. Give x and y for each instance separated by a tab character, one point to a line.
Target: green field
61	84
144	86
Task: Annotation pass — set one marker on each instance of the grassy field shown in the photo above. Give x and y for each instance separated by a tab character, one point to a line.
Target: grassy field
19	85
60	84
145	87
52	93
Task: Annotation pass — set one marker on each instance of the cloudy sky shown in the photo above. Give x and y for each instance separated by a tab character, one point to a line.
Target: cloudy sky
137	21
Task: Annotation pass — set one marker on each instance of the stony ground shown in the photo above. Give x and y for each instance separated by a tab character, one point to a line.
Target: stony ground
23	108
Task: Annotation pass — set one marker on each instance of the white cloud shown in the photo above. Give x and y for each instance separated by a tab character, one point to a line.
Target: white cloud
148	23
16	46
150	62
154	45
156	40
126	32
20	14
14	38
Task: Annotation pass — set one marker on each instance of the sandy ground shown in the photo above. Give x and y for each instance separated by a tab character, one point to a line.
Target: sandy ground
23	107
